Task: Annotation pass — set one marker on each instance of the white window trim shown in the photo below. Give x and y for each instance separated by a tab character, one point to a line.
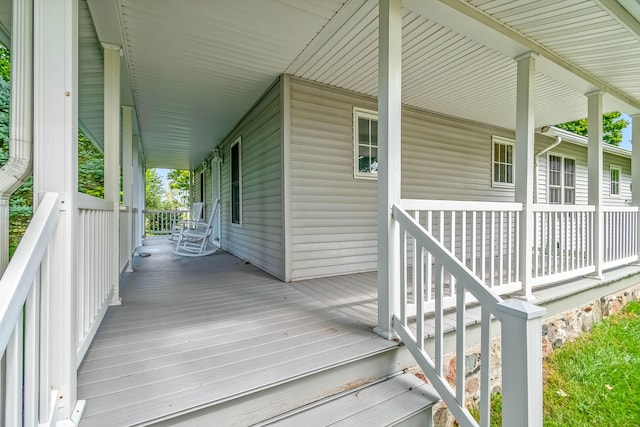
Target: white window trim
500	140
372	115
619	169
237	142
562	186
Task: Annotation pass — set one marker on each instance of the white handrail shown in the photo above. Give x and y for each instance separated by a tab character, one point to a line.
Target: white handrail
18	278
520	322
458	205
86	201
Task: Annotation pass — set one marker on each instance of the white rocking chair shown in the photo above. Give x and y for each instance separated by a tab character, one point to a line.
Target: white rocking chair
194	215
194	236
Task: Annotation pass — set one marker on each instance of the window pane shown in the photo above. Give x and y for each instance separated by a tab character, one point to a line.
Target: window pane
509	149
363	130
496	172
554	196
509	174
235	184
374	132
569	172
373	168
569	196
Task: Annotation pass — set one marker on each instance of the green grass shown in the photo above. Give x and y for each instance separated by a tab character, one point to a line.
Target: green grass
595	381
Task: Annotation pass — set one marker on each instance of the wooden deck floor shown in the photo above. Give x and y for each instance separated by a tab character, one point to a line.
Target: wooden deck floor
197	330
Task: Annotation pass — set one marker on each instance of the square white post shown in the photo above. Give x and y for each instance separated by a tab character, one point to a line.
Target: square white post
595	160
389	162
138	194
112	157
524	163
521	334
127	177
55	132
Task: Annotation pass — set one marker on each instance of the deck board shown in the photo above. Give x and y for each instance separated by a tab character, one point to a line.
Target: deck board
192	331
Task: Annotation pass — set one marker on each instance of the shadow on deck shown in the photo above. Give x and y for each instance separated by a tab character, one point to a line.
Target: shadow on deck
193	332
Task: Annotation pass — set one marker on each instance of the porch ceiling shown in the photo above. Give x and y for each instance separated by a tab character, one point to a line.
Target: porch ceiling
193	68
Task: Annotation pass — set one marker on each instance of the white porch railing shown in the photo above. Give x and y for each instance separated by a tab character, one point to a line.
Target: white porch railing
520	327
482	236
95	279
127	224
160	222
620	235
20	318
563	242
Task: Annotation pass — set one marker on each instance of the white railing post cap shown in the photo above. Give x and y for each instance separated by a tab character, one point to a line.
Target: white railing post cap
521	309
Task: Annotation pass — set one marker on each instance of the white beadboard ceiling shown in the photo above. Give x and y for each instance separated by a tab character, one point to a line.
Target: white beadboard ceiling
193	68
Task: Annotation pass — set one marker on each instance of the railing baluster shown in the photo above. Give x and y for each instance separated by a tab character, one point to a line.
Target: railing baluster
463	238
517	233
429	277
460	344
509	237
438	317
483	248
419	289
485	367
501	249
474	241
492	254
452	280
403	274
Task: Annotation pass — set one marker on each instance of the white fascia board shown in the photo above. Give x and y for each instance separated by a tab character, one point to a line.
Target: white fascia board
582	140
108	26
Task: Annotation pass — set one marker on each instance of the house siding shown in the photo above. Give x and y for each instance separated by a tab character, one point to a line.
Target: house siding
579	153
625	180
259	239
333	214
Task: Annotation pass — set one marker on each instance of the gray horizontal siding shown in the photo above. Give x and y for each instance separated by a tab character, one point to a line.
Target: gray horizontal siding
260	237
625	180
333	214
579	153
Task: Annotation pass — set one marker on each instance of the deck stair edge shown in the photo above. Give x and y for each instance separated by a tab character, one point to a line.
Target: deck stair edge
254	406
389	401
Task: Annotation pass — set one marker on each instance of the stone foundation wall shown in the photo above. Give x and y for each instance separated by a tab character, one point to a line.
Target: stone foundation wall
556	331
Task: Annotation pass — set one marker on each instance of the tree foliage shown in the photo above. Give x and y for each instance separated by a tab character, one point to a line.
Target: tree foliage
612	126
20	202
154	190
90	168
179	184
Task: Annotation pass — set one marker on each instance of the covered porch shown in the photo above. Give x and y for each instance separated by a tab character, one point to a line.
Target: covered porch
195	333
216	338
160	85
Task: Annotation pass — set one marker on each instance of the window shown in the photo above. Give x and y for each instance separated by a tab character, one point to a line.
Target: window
202	193
562	180
502	162
365	143
614	181
236	183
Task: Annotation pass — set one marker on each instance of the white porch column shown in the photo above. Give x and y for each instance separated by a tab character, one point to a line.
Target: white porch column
524	164
595	161
127	176
389	162
138	193
112	155
635	166
55	85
